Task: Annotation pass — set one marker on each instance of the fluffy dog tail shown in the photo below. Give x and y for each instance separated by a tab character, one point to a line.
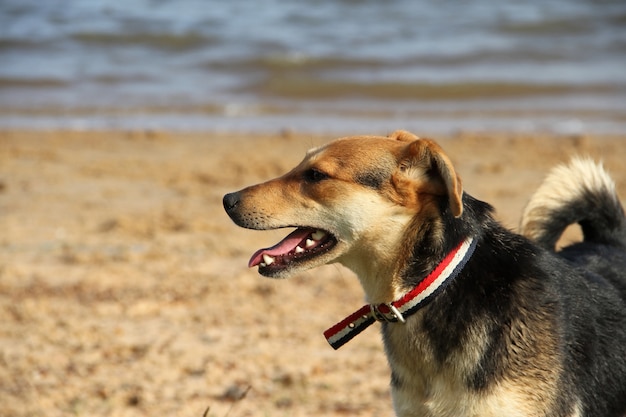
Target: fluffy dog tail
581	192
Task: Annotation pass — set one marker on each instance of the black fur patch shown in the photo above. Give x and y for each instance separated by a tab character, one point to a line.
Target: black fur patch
396	382
371	179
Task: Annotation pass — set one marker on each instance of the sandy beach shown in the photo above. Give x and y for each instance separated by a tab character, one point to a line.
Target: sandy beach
124	289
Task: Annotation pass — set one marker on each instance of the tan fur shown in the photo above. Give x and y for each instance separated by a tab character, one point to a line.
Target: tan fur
564	183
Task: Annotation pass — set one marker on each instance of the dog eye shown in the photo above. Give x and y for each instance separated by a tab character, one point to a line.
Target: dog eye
314	175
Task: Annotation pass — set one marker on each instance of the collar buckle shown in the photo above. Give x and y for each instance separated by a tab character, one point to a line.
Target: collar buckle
386	312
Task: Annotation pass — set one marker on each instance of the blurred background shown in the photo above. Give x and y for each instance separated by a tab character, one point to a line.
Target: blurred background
321	66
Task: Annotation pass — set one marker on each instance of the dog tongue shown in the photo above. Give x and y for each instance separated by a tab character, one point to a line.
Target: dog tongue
283	247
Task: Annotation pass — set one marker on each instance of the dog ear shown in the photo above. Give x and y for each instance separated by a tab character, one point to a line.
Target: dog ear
403	136
425	156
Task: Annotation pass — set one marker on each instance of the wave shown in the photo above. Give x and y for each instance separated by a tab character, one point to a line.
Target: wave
559	26
15	82
312	88
280	63
163	40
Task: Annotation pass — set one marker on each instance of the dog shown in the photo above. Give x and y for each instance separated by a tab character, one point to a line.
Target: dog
476	320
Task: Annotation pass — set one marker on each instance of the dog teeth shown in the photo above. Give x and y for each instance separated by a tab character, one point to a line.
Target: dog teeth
319	235
299	249
267	260
315	238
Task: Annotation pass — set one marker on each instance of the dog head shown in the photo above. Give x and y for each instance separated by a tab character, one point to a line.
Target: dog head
353	201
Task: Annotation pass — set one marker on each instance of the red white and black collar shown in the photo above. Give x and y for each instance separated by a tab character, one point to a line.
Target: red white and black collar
398	310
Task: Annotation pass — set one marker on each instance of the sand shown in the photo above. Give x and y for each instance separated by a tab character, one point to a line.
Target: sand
124	289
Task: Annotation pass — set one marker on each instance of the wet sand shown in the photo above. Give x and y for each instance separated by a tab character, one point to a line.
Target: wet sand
124	289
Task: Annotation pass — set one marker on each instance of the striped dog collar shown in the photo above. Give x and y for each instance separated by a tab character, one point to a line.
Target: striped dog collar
398	310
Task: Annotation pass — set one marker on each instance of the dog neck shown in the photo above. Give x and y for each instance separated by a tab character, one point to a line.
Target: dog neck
379	279
379	267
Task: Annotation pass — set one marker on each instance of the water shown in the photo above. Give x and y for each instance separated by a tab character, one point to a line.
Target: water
328	65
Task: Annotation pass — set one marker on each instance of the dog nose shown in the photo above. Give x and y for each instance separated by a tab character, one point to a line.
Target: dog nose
231	200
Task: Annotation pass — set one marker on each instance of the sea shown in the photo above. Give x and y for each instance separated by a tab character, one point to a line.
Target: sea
322	66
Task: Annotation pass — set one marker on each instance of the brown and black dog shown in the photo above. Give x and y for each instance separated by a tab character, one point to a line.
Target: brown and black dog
476	320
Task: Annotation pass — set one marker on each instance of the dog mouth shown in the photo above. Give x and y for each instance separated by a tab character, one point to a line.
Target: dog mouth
302	244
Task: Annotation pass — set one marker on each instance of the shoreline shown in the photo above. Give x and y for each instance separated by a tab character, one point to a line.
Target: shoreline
318	119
